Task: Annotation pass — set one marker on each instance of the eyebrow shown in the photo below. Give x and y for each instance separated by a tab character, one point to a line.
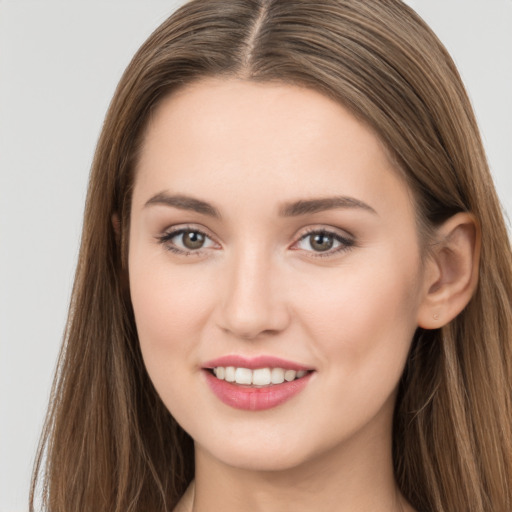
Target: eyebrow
184	203
293	209
304	207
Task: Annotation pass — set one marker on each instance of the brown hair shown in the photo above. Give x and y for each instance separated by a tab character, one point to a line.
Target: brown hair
109	442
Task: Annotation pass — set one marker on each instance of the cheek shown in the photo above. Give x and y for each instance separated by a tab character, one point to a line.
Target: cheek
363	316
171	306
361	323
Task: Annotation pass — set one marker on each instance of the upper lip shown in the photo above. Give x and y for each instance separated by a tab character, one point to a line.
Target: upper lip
252	363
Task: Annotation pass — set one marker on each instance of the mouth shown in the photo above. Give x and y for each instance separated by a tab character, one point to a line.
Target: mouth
255	384
257	378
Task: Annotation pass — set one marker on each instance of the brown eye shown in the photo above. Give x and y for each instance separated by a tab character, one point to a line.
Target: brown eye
321	242
193	239
186	241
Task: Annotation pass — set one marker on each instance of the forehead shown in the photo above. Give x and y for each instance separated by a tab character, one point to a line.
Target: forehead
252	138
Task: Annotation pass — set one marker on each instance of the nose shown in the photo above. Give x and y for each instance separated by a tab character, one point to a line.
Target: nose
253	301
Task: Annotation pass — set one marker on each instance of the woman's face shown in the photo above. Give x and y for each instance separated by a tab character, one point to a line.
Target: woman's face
270	234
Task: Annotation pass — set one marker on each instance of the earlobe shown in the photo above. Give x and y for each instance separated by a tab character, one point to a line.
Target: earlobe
451	275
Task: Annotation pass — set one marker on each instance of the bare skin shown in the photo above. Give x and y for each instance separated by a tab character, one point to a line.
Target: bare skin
259	282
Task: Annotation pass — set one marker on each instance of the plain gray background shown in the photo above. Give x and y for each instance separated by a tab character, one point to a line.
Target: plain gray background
59	64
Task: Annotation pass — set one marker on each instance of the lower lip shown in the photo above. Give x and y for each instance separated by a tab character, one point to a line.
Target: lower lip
255	399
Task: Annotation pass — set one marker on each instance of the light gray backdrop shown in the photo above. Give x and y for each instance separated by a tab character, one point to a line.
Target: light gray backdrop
59	64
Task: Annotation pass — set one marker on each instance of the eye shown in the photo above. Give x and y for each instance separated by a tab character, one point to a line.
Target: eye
192	239
323	241
186	240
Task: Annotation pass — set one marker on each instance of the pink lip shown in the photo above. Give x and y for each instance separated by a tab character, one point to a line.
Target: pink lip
254	363
255	399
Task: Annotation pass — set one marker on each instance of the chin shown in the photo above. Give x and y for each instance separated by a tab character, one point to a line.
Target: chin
259	452
259	460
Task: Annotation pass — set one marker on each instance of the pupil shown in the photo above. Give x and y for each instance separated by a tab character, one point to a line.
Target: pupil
193	240
322	242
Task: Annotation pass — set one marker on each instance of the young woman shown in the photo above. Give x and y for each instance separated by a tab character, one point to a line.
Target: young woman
294	286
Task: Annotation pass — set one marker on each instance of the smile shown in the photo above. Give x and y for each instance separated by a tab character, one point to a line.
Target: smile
257	377
255	384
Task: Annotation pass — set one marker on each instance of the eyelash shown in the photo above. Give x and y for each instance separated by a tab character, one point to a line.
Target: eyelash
345	243
165	240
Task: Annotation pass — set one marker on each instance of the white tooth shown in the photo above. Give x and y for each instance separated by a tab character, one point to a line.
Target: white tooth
277	376
289	375
229	374
243	376
220	372
301	373
215	371
261	377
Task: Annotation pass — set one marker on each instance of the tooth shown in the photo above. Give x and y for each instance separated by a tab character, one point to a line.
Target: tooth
277	376
261	377
243	376
258	377
289	375
229	374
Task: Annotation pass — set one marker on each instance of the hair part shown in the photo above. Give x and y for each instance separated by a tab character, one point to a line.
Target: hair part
110	443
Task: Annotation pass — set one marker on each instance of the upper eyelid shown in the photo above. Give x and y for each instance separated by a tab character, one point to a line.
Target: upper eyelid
342	233
339	238
180	228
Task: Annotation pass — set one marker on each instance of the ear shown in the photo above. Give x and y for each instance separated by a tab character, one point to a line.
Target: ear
451	272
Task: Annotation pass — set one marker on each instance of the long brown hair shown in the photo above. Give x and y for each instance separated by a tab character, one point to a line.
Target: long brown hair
109	443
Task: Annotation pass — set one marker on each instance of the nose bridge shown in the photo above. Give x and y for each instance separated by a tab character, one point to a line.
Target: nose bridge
253	300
